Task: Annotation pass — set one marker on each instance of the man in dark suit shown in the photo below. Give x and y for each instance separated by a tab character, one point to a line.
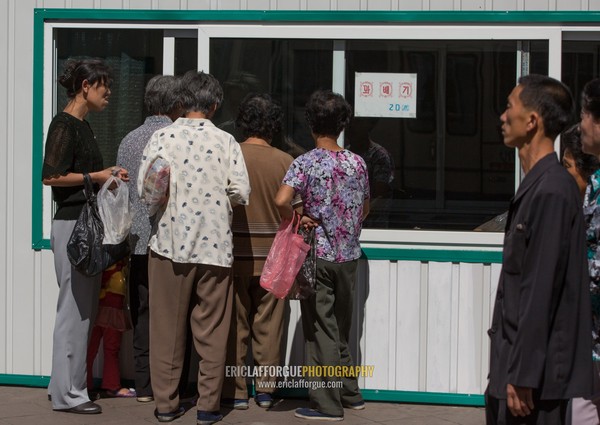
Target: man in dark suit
540	334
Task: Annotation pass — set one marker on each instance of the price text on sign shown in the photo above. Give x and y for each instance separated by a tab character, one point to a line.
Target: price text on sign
385	95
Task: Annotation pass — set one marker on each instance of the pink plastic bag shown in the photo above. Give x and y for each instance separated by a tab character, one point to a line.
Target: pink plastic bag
285	258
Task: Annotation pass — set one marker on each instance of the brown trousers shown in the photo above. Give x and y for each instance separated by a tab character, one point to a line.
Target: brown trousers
258	315
171	286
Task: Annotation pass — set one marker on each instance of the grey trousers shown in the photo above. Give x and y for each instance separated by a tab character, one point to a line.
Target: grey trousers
326	321
75	312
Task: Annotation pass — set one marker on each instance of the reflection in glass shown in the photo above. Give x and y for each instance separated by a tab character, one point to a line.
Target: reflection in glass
289	70
451	169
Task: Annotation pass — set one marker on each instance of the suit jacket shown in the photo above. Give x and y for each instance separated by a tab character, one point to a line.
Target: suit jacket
541	327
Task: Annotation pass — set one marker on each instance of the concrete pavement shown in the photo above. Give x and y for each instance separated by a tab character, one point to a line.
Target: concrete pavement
30	406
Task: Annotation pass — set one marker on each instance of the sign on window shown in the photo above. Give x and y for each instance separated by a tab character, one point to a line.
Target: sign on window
385	95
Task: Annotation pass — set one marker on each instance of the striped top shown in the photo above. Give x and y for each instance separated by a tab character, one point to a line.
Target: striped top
254	225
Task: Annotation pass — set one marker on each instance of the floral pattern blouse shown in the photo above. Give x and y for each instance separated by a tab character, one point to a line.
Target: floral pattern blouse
591	212
333	186
208	176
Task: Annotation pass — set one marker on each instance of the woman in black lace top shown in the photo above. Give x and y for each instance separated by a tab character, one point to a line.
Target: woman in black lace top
71	151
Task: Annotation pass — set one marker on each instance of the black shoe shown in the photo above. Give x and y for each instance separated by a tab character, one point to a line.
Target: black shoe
171	416
87	408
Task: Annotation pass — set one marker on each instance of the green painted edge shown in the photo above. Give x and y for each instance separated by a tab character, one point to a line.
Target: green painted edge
475	400
368	395
25	380
441	255
354	16
37	231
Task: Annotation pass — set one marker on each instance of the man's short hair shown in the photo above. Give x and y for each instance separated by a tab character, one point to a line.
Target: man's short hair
259	116
203	91
551	99
162	95
327	113
590	98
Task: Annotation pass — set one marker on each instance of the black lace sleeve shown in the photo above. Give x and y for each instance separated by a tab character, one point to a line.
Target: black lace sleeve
60	146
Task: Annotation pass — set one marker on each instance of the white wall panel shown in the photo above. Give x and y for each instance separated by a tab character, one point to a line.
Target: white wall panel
146	4
258	4
470	327
538	5
166	4
199	5
379	5
505	5
439	312
377	324
110	4
48	294
410	5
230	5
82	4
476	5
19	256
288	5
5	104
347	5
408	325
594	5
52	3
443	5
318	5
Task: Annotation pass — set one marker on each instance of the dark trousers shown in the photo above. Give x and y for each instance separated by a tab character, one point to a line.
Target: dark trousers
140	316
326	321
546	412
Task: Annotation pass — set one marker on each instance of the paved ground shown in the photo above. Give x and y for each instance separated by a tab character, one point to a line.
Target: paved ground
30	406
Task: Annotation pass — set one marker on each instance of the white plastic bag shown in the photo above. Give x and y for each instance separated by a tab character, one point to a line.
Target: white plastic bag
113	205
155	190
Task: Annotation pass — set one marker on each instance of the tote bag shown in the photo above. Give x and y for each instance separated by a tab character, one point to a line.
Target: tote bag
284	259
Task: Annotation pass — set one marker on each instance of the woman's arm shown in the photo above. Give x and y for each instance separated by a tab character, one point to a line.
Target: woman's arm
76	179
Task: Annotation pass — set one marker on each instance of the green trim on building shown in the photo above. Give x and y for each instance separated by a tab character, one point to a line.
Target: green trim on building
441	255
37	231
326	17
24	380
475	400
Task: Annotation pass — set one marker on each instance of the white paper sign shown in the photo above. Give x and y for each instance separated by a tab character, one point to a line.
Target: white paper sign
385	95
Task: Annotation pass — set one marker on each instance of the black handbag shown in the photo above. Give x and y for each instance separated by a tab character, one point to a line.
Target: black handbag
85	249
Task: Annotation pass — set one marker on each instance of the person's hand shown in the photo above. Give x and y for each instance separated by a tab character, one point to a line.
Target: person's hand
519	400
121	173
308	222
100	177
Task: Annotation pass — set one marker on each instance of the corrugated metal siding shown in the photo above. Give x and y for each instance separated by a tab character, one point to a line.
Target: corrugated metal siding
422	325
5	296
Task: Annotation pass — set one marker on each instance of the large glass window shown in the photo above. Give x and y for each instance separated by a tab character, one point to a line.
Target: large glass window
444	169
580	64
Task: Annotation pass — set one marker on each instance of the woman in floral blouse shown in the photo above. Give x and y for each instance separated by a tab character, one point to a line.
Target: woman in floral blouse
334	186
586	411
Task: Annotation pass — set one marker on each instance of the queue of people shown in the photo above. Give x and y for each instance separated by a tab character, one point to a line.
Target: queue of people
196	263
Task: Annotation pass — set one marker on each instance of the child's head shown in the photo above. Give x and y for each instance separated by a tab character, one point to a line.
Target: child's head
327	113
